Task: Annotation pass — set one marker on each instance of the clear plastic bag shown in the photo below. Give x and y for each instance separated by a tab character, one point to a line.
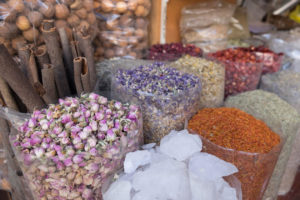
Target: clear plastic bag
280	117
205	14
22	20
80	174
161	113
122	34
255	169
286	85
212	77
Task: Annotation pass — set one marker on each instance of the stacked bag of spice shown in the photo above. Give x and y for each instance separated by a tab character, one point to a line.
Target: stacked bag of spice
243	70
167	96
281	117
239	138
68	150
22	20
172	51
175	170
123	28
286	85
206	24
212	77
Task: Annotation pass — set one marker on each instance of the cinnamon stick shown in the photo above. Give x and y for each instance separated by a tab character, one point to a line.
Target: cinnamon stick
10	72
85	76
67	54
77	74
49	83
54	51
24	54
7	96
33	75
87	50
42	56
75	49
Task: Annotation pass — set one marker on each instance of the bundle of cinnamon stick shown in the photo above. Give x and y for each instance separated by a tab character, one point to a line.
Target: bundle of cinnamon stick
60	68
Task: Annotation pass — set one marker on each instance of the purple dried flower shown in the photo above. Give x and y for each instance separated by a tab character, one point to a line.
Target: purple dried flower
88	129
39	152
118	105
110	136
79	146
68	162
92	141
60	166
57	148
94	125
92	167
87	193
76	114
99	116
93	151
132	116
108	112
95	107
75	129
35	140
77	159
50	153
63	134
94	96
83	135
101	136
102	100
65	141
69	125
57	130
32	122
66	118
103	127
45	145
76	140
26	144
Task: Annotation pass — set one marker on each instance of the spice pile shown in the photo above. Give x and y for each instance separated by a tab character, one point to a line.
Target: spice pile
212	77
271	60
166	95
69	148
172	51
175	170
243	70
239	138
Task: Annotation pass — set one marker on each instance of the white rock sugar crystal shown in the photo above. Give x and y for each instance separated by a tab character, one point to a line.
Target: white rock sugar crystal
175	170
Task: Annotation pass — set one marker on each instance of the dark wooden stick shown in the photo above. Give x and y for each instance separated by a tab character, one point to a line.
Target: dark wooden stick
32	69
55	54
85	76
7	96
49	83
24	54
87	50
10	72
68	58
77	74
42	56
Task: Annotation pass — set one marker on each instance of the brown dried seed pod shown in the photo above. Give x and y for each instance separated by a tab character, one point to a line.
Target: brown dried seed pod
88	5
133	54
147	4
17	5
112	24
51	1
68	2
129	13
61	11
35	18
140	11
107	5
81	13
140	23
9	30
76	4
122	42
16	41
121	7
31	34
99	51
7	13
32	4
47	9
128	31
140	33
73	20
96	5
84	25
91	18
132	4
23	23
109	53
125	20
107	44
119	51
132	40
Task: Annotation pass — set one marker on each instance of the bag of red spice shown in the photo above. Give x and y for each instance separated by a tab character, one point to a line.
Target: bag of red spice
239	138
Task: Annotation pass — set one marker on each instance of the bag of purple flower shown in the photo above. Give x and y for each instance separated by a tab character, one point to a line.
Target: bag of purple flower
67	150
166	95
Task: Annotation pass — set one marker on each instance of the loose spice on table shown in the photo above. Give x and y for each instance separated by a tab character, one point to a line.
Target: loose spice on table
167	96
238	137
243	70
212	77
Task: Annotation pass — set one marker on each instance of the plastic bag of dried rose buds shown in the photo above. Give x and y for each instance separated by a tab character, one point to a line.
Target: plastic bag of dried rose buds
243	70
167	96
23	20
172	51
68	149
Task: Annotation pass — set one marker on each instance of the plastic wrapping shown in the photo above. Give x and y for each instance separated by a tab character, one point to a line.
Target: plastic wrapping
286	85
161	112
255	169
172	51
123	33
212	77
60	175
280	117
207	21
238	28
22	20
240	76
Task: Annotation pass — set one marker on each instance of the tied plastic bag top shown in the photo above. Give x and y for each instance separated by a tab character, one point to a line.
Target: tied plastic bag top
68	150
239	138
175	170
281	117
22	20
212	77
167	96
